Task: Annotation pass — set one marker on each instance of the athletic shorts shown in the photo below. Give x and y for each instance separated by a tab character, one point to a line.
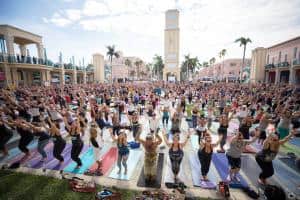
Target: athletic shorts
234	162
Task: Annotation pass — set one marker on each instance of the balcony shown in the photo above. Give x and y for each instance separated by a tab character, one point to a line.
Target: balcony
269	66
12	59
296	62
283	64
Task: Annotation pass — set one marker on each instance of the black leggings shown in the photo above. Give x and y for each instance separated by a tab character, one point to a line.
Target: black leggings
205	160
266	167
76	149
24	141
58	149
223	131
4	139
165	119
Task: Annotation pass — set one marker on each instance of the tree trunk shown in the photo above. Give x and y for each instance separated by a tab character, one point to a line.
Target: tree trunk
111	79
242	67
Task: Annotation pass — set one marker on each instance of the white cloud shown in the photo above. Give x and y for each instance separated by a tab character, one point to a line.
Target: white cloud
206	26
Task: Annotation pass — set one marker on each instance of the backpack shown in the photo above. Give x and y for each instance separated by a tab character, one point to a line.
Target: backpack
273	192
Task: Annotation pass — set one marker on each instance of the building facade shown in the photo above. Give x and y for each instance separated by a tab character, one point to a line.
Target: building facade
98	63
279	63
227	70
23	69
171	46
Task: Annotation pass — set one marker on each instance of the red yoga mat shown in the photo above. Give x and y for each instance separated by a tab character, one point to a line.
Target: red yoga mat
108	160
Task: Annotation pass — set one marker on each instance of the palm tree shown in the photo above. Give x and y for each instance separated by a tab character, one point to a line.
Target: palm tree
243	42
128	62
222	54
212	61
205	64
158	66
138	63
111	52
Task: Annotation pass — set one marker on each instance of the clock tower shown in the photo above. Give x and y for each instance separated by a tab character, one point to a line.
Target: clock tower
171	57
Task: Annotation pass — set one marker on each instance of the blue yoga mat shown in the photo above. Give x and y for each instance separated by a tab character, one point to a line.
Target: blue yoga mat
288	179
133	159
196	171
16	151
221	164
295	141
87	160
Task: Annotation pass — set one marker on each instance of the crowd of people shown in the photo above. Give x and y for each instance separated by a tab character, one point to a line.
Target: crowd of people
47	114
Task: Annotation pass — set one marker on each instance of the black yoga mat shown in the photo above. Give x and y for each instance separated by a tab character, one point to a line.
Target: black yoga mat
157	184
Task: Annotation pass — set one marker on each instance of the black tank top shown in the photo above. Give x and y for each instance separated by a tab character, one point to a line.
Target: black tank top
76	139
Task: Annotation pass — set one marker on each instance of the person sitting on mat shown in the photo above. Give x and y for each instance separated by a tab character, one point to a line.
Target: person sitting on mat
95	144
77	143
265	157
205	153
234	153
175	152
123	151
150	160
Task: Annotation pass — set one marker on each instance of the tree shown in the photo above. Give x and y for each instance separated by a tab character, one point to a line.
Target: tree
189	65
158	66
243	42
111	52
212	61
128	62
205	64
222	54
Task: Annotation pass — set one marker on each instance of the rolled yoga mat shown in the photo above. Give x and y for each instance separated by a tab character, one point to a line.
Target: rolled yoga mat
196	173
160	162
221	164
133	159
169	176
87	159
16	151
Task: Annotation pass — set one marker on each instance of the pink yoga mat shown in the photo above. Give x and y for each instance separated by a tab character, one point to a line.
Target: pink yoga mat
108	160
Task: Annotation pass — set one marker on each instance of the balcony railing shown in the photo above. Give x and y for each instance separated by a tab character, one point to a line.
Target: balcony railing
283	64
269	66
296	62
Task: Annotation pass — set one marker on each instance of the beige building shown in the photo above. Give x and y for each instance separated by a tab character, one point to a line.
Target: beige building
171	46
23	69
279	63
98	63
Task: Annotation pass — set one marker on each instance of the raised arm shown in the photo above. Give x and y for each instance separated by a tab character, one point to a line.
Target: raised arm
284	140
158	139
166	139
186	140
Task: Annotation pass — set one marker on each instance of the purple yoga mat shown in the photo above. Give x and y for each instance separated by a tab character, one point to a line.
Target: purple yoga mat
38	159
54	165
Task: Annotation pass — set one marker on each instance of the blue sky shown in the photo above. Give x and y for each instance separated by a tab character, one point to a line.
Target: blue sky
84	27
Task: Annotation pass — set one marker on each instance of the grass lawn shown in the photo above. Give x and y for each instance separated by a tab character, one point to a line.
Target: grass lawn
20	186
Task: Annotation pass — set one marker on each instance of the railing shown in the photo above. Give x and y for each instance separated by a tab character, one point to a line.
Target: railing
283	64
296	62
269	66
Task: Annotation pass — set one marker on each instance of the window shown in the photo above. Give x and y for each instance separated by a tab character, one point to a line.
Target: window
279	57
268	59
285	58
295	52
232	64
273	60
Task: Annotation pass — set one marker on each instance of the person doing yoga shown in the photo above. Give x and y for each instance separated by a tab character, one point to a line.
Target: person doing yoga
224	121
123	151
59	142
265	157
96	145
26	136
150	160
234	153
205	152
5	135
77	143
176	152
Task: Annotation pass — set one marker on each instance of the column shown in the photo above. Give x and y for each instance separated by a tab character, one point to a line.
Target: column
277	76
43	77
7	75
266	77
14	74
25	77
40	50
9	44
292	75
74	76
23	49
84	76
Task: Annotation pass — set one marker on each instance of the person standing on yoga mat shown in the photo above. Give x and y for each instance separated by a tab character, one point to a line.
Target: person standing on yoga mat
175	152
43	138
205	153
234	153
150	160
77	143
283	127
265	157
96	145
136	127
5	135
201	128
26	136
123	151
222	131
59	142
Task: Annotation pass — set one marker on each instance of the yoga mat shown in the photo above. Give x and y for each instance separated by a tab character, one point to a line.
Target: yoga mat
87	160
194	141
221	164
160	162
290	162
38	159
295	141
109	159
196	172
103	152
16	151
169	176
289	179
133	159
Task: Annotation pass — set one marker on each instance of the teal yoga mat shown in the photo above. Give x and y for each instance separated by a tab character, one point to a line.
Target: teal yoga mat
87	159
194	141
133	160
